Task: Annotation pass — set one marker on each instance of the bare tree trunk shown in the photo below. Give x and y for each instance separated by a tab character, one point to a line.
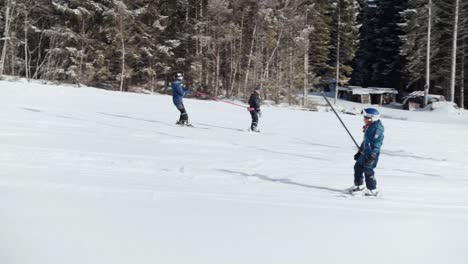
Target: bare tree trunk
216	79
428	54
278	81
122	38
238	59
454	52
206	75
462	80
49	58
306	73
13	56
291	73
6	34
267	66
247	70
234	69
40	63
258	60
338	40
26	47
28	6
231	68
80	77
265	75
187	16
154	81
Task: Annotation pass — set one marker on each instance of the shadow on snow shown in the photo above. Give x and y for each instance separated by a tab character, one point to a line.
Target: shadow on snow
281	180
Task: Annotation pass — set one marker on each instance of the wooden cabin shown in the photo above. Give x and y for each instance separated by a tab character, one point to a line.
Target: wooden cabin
368	95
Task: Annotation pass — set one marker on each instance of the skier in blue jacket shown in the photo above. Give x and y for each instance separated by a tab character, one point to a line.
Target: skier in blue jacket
178	92
368	154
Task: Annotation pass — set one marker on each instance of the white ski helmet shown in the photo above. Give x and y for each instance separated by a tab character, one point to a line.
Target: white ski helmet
179	76
371	113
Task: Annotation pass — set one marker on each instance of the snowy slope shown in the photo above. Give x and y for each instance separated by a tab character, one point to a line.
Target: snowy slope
92	176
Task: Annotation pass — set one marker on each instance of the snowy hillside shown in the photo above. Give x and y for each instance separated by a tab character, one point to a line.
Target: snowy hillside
93	176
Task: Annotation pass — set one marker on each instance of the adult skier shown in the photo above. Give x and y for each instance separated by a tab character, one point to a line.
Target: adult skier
178	92
368	154
254	108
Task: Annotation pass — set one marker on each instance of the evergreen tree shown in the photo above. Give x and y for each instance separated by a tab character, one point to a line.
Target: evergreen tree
442	39
319	18
347	33
387	70
365	55
226	47
177	34
82	51
414	42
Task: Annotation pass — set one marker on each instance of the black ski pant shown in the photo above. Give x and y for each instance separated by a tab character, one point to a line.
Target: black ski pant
183	114
254	115
368	172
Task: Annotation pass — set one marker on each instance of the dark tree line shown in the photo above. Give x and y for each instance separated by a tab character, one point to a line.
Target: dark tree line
414	44
226	47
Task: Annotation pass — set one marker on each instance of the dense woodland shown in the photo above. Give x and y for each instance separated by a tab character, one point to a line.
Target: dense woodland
226	47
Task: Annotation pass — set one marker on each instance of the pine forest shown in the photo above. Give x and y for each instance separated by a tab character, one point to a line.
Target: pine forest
227	47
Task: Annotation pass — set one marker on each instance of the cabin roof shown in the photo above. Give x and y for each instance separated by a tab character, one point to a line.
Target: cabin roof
368	90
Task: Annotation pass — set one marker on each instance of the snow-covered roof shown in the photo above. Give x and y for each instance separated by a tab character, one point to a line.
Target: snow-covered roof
421	94
369	90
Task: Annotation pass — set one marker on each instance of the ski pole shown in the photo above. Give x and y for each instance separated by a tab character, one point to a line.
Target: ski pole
219	100
349	133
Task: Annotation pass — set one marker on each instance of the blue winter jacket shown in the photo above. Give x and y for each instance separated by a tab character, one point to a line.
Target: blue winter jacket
178	92
373	140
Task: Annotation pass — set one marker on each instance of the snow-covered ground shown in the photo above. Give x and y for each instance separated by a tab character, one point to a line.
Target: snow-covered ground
93	176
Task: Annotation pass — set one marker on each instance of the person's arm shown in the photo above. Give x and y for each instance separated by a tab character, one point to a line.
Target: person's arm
178	89
258	101
359	152
186	89
377	141
375	144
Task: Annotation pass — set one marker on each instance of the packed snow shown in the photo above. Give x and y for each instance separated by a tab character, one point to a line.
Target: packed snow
94	176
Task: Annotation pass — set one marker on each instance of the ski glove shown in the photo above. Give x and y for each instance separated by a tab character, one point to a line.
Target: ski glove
357	155
250	109
368	162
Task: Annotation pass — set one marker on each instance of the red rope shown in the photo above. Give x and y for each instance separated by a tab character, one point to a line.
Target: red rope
219	100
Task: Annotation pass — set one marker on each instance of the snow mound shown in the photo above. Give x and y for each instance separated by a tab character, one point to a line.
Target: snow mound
448	108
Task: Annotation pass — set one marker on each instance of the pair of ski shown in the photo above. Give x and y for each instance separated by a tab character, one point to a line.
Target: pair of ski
359	193
190	125
250	130
184	124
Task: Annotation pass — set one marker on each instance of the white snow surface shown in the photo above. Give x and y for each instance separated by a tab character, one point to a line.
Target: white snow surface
93	176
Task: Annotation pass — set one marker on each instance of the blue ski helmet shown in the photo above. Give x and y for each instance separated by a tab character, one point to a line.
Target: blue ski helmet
371	113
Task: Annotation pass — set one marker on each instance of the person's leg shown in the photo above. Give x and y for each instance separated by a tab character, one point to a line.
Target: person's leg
183	119
180	116
371	183
254	124
358	177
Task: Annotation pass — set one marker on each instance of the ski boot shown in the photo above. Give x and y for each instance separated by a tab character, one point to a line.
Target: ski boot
254	129
373	192
184	123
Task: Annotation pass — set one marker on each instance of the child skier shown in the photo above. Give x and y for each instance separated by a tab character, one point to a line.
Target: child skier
368	154
254	108
178	92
